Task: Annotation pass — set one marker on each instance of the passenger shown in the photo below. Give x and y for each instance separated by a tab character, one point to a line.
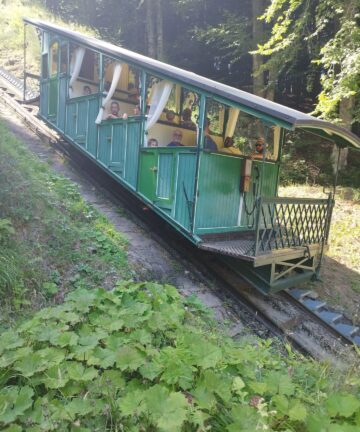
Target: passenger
170	116
153	142
209	143
114	110
107	86
186	121
87	90
259	149
137	110
176	139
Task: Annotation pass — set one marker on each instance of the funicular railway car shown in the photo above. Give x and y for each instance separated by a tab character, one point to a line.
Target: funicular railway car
203	155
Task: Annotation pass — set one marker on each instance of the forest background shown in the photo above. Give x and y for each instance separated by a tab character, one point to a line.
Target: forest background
301	53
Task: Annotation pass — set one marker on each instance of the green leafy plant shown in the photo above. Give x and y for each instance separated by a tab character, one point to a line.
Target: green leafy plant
137	359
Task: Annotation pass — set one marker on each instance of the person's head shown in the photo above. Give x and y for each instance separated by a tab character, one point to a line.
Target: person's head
86	90
177	136
229	142
114	108
153	142
170	115
259	145
107	86
137	110
186	114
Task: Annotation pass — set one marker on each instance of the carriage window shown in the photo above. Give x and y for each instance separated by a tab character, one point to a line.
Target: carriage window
172	107
89	66
45	66
215	112
121	84
189	108
84	71
63	59
54	49
133	84
173	112
249	131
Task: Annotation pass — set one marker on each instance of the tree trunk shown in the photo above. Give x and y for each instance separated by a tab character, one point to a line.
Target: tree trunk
159	30
150	29
257	35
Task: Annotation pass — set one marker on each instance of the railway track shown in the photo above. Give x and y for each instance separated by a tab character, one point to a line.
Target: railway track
297	316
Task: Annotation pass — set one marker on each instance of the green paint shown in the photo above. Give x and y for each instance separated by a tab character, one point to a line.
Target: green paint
148	173
53	98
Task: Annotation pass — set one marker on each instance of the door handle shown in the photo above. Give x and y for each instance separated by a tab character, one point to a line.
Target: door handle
154	169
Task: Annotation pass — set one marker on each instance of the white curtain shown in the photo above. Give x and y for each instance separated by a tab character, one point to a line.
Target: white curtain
114	83
159	98
79	56
231	123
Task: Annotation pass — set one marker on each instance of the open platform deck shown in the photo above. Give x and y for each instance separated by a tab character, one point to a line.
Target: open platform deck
242	245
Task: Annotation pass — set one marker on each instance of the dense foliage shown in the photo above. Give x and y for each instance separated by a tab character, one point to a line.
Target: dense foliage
322	34
138	359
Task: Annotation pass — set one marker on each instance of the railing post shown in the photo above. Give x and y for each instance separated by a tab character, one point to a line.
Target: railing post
257	223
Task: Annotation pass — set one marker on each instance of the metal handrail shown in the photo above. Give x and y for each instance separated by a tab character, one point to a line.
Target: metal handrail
291	222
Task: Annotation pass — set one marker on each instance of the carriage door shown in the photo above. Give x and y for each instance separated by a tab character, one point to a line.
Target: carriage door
53	81
148	173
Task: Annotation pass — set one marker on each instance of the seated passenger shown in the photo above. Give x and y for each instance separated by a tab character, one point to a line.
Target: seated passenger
176	139
153	142
137	110
170	116
86	90
114	111
209	143
259	149
186	121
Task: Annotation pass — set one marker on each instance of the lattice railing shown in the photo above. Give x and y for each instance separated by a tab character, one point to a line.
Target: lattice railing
289	222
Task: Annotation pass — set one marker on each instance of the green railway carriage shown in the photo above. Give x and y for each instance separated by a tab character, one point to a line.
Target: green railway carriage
211	183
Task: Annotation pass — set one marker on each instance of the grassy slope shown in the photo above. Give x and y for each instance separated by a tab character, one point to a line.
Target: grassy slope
52	240
12	34
341	269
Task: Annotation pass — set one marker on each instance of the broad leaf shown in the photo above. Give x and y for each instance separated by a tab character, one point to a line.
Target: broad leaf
343	405
14	401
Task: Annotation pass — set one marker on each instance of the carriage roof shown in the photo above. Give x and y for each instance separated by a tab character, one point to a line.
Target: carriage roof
279	114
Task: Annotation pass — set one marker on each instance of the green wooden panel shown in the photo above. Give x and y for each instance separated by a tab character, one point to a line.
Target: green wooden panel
118	149
148	173
44	98
132	152
165	176
218	191
53	98
70	127
92	130
104	147
269	173
185	188
81	122
62	103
